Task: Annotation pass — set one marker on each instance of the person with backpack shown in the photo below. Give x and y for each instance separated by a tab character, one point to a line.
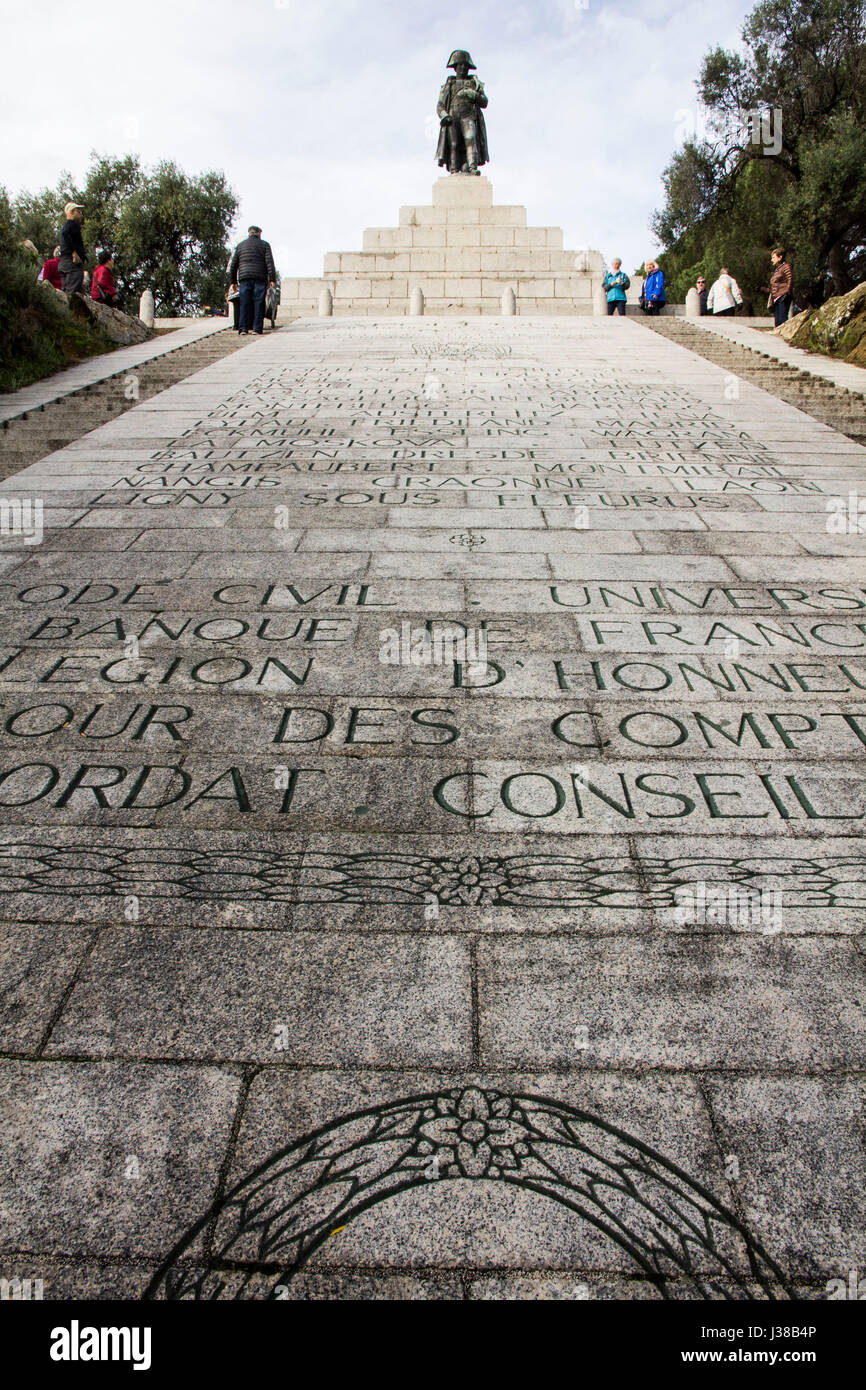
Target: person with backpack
102	286
615	284
724	295
251	271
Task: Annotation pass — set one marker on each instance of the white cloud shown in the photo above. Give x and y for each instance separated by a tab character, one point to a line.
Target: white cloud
319	111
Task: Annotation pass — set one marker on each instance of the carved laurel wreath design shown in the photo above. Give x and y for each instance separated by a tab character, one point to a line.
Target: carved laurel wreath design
263	873
267	1226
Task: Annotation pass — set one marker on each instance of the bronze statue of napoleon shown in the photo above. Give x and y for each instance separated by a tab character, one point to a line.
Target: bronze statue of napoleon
463	134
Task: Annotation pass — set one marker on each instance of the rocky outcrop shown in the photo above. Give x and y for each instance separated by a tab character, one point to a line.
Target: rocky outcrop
838	328
118	327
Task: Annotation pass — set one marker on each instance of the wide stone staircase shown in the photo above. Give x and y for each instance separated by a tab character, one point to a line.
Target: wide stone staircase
29	437
842	410
463	252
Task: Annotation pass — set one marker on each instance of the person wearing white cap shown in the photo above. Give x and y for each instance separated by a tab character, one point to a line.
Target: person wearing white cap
72	252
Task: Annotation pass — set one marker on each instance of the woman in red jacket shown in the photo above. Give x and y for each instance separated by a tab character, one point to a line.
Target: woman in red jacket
50	272
102	286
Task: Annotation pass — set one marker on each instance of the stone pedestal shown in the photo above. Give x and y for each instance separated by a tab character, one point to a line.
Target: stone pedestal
147	309
463	252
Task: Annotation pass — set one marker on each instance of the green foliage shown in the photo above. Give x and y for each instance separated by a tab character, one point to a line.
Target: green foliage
742	243
174	232
689	182
729	200
168	230
37	216
38	334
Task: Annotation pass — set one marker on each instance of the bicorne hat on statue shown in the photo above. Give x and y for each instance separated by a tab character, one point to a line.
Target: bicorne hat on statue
460	56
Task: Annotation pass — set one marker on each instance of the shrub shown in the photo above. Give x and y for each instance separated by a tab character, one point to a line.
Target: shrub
38	334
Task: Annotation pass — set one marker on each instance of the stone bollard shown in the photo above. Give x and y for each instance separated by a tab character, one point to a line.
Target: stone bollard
693	304
599	304
326	304
416	302
146	309
509	303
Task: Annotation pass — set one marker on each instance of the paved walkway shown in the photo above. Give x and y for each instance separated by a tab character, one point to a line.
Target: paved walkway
529	967
844	374
96	369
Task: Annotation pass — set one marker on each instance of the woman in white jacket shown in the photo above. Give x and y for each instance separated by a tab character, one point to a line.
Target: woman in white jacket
724	295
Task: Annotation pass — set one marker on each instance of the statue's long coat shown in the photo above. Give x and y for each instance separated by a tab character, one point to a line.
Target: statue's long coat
442	147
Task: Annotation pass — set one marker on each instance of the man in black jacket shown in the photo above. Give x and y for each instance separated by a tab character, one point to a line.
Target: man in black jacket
251	270
72	252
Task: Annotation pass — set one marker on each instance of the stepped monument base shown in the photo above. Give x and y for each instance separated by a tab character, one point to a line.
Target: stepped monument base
463	252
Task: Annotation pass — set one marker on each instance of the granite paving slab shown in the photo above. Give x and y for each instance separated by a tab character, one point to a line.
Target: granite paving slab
431	829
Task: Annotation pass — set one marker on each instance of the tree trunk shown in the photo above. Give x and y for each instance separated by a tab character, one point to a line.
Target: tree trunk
837	263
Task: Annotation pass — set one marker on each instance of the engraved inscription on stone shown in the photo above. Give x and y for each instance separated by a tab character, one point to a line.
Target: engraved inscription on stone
431	751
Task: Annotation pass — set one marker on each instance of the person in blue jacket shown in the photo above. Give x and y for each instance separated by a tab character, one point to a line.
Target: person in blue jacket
654	289
615	284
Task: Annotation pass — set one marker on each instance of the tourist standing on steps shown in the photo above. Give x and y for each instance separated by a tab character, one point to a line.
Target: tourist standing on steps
653	289
251	271
781	285
615	283
72	252
701	287
724	295
102	286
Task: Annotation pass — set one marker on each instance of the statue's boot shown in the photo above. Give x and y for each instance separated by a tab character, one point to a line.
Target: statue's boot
471	165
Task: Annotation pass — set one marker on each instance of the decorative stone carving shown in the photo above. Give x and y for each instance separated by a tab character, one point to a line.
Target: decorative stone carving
280	1213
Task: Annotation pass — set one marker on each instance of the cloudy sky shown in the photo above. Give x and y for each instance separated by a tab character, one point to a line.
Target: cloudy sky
321	112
